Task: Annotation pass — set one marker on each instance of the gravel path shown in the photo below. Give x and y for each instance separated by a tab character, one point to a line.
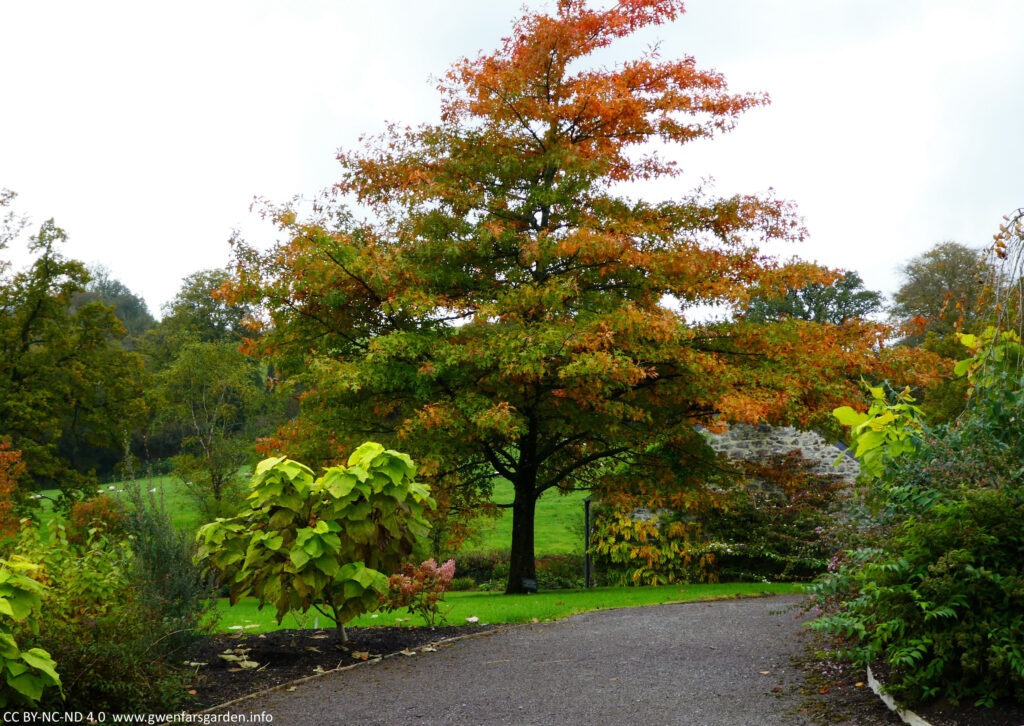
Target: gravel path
694	663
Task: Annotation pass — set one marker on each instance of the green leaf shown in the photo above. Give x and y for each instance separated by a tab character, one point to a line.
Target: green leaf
346	571
849	417
328	565
880	422
968	340
364	455
298	557
338	482
8	646
268	464
27	684
41	661
314	547
281	519
272	588
868	441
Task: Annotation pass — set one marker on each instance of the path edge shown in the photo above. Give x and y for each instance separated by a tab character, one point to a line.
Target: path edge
371	661
907	716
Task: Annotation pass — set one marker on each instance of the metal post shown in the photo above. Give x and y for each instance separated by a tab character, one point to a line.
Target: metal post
586	542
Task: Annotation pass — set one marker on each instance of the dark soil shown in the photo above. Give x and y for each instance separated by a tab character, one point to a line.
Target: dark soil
287	655
836	692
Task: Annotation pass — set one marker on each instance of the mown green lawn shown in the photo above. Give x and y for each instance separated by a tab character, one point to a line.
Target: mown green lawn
559	523
489	607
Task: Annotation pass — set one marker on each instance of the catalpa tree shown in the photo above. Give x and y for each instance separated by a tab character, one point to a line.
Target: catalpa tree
494	302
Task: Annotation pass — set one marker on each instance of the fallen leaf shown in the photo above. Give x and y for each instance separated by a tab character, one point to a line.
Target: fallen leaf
472	619
319	637
823	690
764	673
229	657
858	684
361	654
428	649
191	691
247	664
407	652
535	620
291	688
313	649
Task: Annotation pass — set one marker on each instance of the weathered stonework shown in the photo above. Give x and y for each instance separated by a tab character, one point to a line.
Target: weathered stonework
752	443
743	442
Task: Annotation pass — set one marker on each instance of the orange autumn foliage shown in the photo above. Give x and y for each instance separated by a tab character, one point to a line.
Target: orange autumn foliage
496	305
11	470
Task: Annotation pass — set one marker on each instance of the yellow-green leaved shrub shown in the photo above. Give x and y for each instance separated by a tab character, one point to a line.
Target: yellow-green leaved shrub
328	543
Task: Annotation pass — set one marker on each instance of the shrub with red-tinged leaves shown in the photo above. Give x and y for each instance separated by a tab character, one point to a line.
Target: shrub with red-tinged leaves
99	514
11	469
420	590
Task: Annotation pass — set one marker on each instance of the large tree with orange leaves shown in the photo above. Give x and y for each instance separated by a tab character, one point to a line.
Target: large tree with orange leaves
502	308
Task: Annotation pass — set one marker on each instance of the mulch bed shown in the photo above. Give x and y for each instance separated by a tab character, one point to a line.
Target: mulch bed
287	655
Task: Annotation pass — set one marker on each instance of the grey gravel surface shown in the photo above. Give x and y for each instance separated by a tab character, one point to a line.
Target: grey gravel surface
726	663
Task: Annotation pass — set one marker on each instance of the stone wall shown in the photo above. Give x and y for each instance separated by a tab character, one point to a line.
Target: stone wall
752	443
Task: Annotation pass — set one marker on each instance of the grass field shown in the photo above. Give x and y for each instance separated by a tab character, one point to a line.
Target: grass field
171	490
559	523
493	608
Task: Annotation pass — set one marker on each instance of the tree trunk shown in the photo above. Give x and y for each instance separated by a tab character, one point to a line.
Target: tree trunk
522	567
340	627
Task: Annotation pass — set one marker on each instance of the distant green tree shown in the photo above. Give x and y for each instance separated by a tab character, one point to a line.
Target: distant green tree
940	295
129	308
214	395
195	325
68	390
201	313
843	300
940	292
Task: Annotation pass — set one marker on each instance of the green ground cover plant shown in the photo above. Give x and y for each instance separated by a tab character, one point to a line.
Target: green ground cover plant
494	608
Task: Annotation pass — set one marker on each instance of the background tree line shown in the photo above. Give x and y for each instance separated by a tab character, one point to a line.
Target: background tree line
87	375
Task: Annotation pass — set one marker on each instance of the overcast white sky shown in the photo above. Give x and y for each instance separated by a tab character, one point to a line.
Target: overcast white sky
146	129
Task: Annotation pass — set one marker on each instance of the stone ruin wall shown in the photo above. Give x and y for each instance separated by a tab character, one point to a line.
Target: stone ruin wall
753	443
